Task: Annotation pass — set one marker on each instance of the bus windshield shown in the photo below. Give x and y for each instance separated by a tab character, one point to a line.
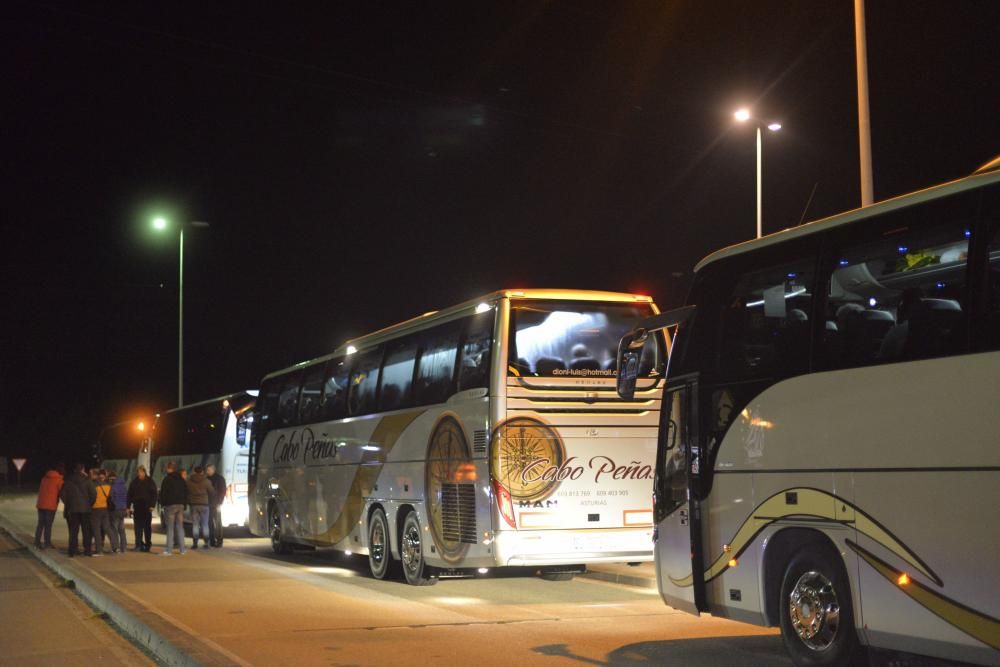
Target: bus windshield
574	338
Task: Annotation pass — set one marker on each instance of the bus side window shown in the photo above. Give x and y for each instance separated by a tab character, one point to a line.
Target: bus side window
312	389
436	371
474	369
397	374
898	296
364	382
288	401
335	390
765	323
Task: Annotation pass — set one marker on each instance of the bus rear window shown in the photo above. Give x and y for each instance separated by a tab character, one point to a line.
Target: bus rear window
574	339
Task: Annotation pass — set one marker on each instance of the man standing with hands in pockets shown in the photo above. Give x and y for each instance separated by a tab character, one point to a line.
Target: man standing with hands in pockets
215	509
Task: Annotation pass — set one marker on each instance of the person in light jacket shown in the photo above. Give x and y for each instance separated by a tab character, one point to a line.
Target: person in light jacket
100	522
47	504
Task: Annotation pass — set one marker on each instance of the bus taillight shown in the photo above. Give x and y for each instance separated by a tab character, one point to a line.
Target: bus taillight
505	503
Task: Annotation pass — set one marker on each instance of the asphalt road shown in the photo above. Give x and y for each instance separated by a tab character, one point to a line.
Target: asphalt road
245	605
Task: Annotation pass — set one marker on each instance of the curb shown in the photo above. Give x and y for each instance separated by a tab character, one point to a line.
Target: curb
127	616
616	578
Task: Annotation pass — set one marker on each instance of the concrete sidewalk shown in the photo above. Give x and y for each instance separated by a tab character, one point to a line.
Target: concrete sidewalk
146	595
46	623
169	640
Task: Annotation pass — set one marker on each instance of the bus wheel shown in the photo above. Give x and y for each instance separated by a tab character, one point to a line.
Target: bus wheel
278	545
416	571
379	553
817	618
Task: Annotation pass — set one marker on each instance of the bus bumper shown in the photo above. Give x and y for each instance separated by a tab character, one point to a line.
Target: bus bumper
569	547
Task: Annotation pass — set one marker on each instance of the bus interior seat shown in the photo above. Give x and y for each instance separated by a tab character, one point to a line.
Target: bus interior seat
932	324
545	365
863	332
585	363
522	366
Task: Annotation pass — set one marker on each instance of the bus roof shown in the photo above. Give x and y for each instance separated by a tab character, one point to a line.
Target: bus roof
953	187
238	402
424	320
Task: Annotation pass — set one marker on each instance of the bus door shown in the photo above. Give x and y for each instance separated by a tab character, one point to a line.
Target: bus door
676	512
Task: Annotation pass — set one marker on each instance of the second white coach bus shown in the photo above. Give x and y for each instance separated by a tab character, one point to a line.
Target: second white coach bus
215	431
829	456
119	444
487	434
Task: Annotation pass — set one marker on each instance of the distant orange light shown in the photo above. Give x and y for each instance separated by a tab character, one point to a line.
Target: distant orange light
141	426
903	580
733	562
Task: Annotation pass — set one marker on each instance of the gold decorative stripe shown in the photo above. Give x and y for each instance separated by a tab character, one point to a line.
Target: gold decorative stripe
385	435
973	623
810	503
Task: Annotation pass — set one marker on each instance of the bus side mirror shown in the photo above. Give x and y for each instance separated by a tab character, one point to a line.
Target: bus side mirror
629	356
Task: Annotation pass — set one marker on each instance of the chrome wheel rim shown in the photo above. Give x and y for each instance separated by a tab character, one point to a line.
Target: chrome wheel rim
275	530
814	610
410	551
377	542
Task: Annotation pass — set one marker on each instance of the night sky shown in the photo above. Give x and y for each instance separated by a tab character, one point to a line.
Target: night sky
367	162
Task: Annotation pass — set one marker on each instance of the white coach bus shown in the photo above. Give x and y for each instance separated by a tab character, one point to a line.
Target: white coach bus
829	456
215	431
487	434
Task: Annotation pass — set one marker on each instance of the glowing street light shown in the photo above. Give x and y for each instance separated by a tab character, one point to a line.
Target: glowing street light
162	224
742	116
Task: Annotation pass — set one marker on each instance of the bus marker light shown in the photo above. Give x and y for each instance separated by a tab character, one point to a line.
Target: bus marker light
732	562
903	580
482	308
727	548
483	570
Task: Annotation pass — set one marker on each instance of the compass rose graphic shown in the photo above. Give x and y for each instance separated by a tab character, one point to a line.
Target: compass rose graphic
517	444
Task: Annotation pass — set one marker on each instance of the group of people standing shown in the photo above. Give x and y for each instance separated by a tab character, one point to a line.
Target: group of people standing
96	503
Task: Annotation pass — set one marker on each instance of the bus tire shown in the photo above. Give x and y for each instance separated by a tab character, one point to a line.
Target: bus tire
815	610
411	551
380	560
278	543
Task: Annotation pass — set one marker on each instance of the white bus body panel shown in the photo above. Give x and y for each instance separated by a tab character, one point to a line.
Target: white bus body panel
598	505
915	489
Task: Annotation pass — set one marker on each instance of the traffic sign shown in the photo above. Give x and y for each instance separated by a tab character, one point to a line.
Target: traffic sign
19	463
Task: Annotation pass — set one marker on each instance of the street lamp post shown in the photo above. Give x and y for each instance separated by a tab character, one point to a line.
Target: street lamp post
743	115
161	224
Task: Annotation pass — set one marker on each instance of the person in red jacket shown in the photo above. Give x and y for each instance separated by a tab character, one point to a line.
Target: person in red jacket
47	504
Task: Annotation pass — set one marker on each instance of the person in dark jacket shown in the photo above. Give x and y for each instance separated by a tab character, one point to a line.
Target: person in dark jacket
47	504
78	495
200	496
215	508
173	498
141	498
119	499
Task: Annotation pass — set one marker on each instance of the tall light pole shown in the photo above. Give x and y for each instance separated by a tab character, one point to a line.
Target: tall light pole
161	224
864	121
742	116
